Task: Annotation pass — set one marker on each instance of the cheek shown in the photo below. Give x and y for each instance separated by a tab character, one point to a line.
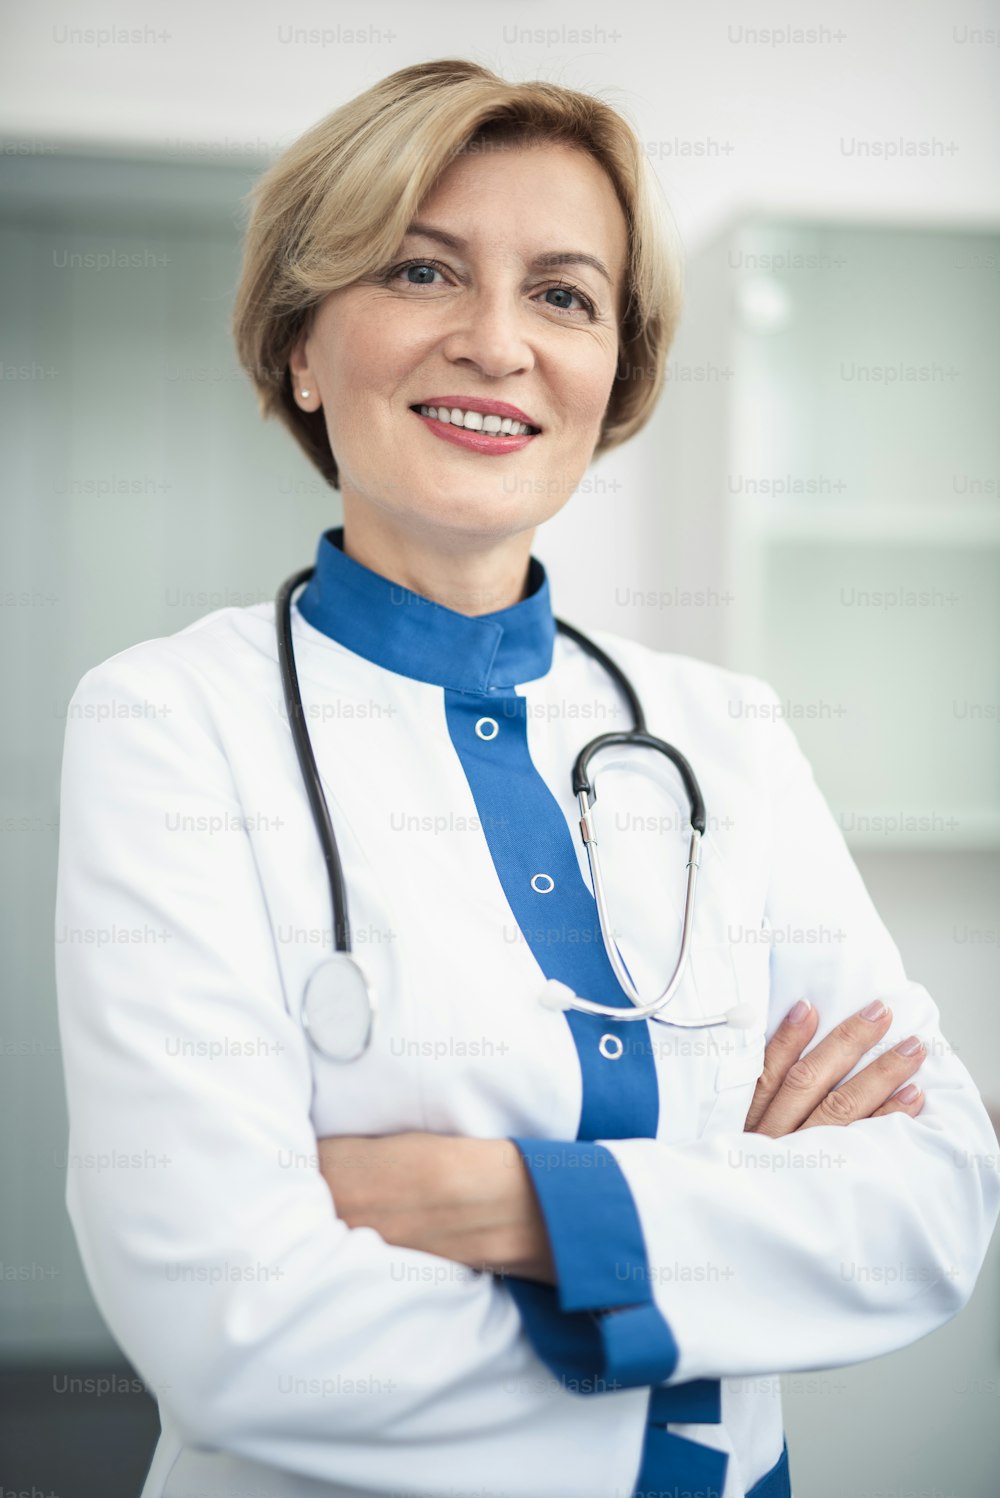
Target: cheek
584	394
360	386
366	354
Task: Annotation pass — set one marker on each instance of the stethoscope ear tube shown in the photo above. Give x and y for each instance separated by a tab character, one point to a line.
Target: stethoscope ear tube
637	735
338	1003
586	796
581	778
612	668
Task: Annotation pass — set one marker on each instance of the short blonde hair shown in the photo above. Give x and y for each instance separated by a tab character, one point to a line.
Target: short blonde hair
337	203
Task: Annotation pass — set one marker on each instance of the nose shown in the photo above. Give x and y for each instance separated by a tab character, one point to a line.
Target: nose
490	333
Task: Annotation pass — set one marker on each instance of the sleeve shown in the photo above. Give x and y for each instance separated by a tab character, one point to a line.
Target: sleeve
736	1254
599	1252
265	1326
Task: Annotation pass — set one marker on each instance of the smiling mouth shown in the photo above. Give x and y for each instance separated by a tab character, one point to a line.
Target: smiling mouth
477	421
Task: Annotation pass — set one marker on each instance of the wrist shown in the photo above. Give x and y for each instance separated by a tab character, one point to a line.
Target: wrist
516	1241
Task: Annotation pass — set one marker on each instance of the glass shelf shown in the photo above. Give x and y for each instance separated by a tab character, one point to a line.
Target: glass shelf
973	524
860	518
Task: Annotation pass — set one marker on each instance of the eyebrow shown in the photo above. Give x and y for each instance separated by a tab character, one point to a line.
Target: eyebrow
540	262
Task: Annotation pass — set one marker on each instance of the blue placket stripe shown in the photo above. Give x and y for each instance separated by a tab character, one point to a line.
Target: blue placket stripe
532	851
582	1191
591	1351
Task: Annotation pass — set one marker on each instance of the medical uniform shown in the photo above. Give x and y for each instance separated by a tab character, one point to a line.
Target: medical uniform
293	1356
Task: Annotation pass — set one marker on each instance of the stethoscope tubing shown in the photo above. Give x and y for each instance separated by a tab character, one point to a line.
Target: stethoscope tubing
582	787
307	760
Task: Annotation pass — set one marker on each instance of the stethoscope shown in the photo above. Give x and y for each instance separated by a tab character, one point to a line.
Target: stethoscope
338	1004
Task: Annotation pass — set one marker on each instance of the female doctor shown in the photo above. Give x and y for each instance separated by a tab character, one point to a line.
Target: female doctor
505	1246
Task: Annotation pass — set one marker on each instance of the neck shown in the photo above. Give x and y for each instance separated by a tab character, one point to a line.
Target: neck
470	574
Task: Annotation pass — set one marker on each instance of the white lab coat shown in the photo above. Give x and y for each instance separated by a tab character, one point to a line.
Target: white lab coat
294	1356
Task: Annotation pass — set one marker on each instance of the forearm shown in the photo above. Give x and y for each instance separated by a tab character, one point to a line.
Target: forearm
469	1200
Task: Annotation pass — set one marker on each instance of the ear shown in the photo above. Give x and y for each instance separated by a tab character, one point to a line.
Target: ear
304	389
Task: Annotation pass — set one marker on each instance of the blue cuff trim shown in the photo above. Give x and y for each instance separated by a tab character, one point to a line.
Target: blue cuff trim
698	1402
569	1346
592	1223
601	1266
674	1467
639	1347
592	1354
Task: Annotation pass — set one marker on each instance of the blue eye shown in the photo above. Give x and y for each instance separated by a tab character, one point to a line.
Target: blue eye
433	267
420	265
568	291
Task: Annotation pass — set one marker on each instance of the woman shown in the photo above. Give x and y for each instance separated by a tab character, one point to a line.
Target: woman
508	1248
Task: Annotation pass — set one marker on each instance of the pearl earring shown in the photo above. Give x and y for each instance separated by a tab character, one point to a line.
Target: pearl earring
305	394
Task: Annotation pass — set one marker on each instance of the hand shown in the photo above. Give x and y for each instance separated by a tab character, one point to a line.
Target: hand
389	1182
796	1093
469	1200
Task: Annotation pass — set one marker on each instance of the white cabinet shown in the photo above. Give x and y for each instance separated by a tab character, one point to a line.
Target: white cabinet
832	459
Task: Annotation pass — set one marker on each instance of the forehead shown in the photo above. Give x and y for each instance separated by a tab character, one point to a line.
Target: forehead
545	197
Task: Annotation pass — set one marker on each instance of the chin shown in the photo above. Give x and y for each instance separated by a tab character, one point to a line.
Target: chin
463	503
485	516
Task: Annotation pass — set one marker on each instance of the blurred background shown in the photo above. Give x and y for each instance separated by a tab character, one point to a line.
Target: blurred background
816	502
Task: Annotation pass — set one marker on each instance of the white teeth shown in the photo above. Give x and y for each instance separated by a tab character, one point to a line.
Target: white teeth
475	421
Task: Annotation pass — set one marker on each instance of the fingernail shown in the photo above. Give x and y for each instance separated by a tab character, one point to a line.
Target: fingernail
908	1094
910	1046
798	1012
874	1010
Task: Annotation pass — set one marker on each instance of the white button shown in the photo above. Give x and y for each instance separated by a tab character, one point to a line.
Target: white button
543	889
482	724
610	1047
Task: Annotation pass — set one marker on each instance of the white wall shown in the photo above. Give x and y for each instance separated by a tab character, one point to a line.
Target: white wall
733	115
227	76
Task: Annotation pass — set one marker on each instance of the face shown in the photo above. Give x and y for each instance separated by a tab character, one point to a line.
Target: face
475	314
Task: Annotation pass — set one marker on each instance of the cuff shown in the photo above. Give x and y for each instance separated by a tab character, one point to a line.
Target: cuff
601	1265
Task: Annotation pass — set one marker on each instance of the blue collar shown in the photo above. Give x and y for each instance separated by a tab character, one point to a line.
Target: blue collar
415	637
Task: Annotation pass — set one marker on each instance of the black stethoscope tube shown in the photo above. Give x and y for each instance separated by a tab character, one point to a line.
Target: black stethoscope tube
581	781
307	760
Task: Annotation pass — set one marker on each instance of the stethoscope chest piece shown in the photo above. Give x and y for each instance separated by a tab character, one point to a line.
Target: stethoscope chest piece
338	1005
338	1008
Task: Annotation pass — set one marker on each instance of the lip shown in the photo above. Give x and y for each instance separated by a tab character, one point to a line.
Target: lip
472	441
483	406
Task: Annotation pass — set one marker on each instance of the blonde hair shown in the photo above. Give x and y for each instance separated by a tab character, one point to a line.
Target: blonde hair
336	204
